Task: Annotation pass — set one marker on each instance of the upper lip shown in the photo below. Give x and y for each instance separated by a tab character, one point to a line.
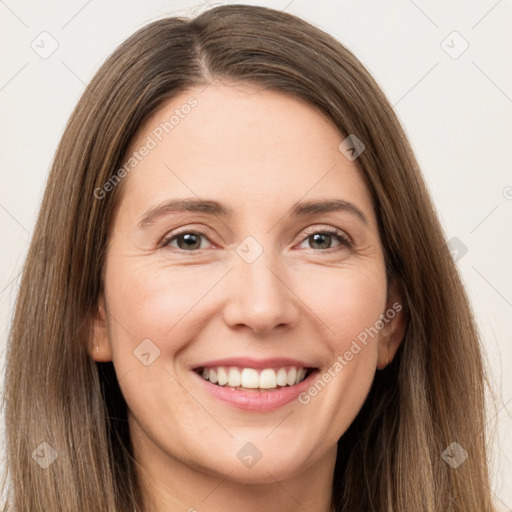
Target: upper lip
249	362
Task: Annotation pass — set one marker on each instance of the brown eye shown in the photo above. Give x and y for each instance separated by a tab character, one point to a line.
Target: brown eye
323	239
186	241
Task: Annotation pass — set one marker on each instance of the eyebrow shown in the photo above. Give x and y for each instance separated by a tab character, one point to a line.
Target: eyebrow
300	209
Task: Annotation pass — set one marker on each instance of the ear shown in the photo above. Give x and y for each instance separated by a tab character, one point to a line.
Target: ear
100	349
394	320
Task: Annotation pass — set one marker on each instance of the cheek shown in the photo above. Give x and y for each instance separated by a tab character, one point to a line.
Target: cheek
153	311
156	302
347	301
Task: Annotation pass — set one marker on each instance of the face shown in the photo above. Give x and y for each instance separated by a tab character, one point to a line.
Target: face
245	283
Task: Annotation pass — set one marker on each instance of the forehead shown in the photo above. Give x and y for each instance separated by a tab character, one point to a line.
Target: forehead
248	145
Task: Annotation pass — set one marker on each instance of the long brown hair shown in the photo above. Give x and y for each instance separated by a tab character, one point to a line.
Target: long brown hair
429	397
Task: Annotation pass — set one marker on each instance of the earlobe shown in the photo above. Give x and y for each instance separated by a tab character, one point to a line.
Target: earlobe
393	330
100	344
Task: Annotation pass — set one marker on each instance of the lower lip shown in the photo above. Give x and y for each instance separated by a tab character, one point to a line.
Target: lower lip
256	400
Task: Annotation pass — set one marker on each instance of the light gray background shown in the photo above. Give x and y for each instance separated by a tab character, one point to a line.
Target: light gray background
456	110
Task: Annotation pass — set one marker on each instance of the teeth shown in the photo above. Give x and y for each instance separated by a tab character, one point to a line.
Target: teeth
282	377
292	376
233	377
251	378
222	376
268	379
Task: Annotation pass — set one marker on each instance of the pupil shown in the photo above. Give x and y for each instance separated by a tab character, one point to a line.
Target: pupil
190	239
315	239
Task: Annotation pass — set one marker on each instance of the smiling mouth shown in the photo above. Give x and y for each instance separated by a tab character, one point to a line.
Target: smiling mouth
252	379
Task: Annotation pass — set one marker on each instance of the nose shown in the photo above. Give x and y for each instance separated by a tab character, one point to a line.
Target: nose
260	297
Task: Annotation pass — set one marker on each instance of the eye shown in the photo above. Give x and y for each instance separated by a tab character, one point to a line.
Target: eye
188	241
324	237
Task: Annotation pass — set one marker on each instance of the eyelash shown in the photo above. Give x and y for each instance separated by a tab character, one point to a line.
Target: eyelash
345	242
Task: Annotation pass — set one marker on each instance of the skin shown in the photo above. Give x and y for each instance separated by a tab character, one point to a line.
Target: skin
258	152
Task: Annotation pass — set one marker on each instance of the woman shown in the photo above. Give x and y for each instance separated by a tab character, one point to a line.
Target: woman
180	339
